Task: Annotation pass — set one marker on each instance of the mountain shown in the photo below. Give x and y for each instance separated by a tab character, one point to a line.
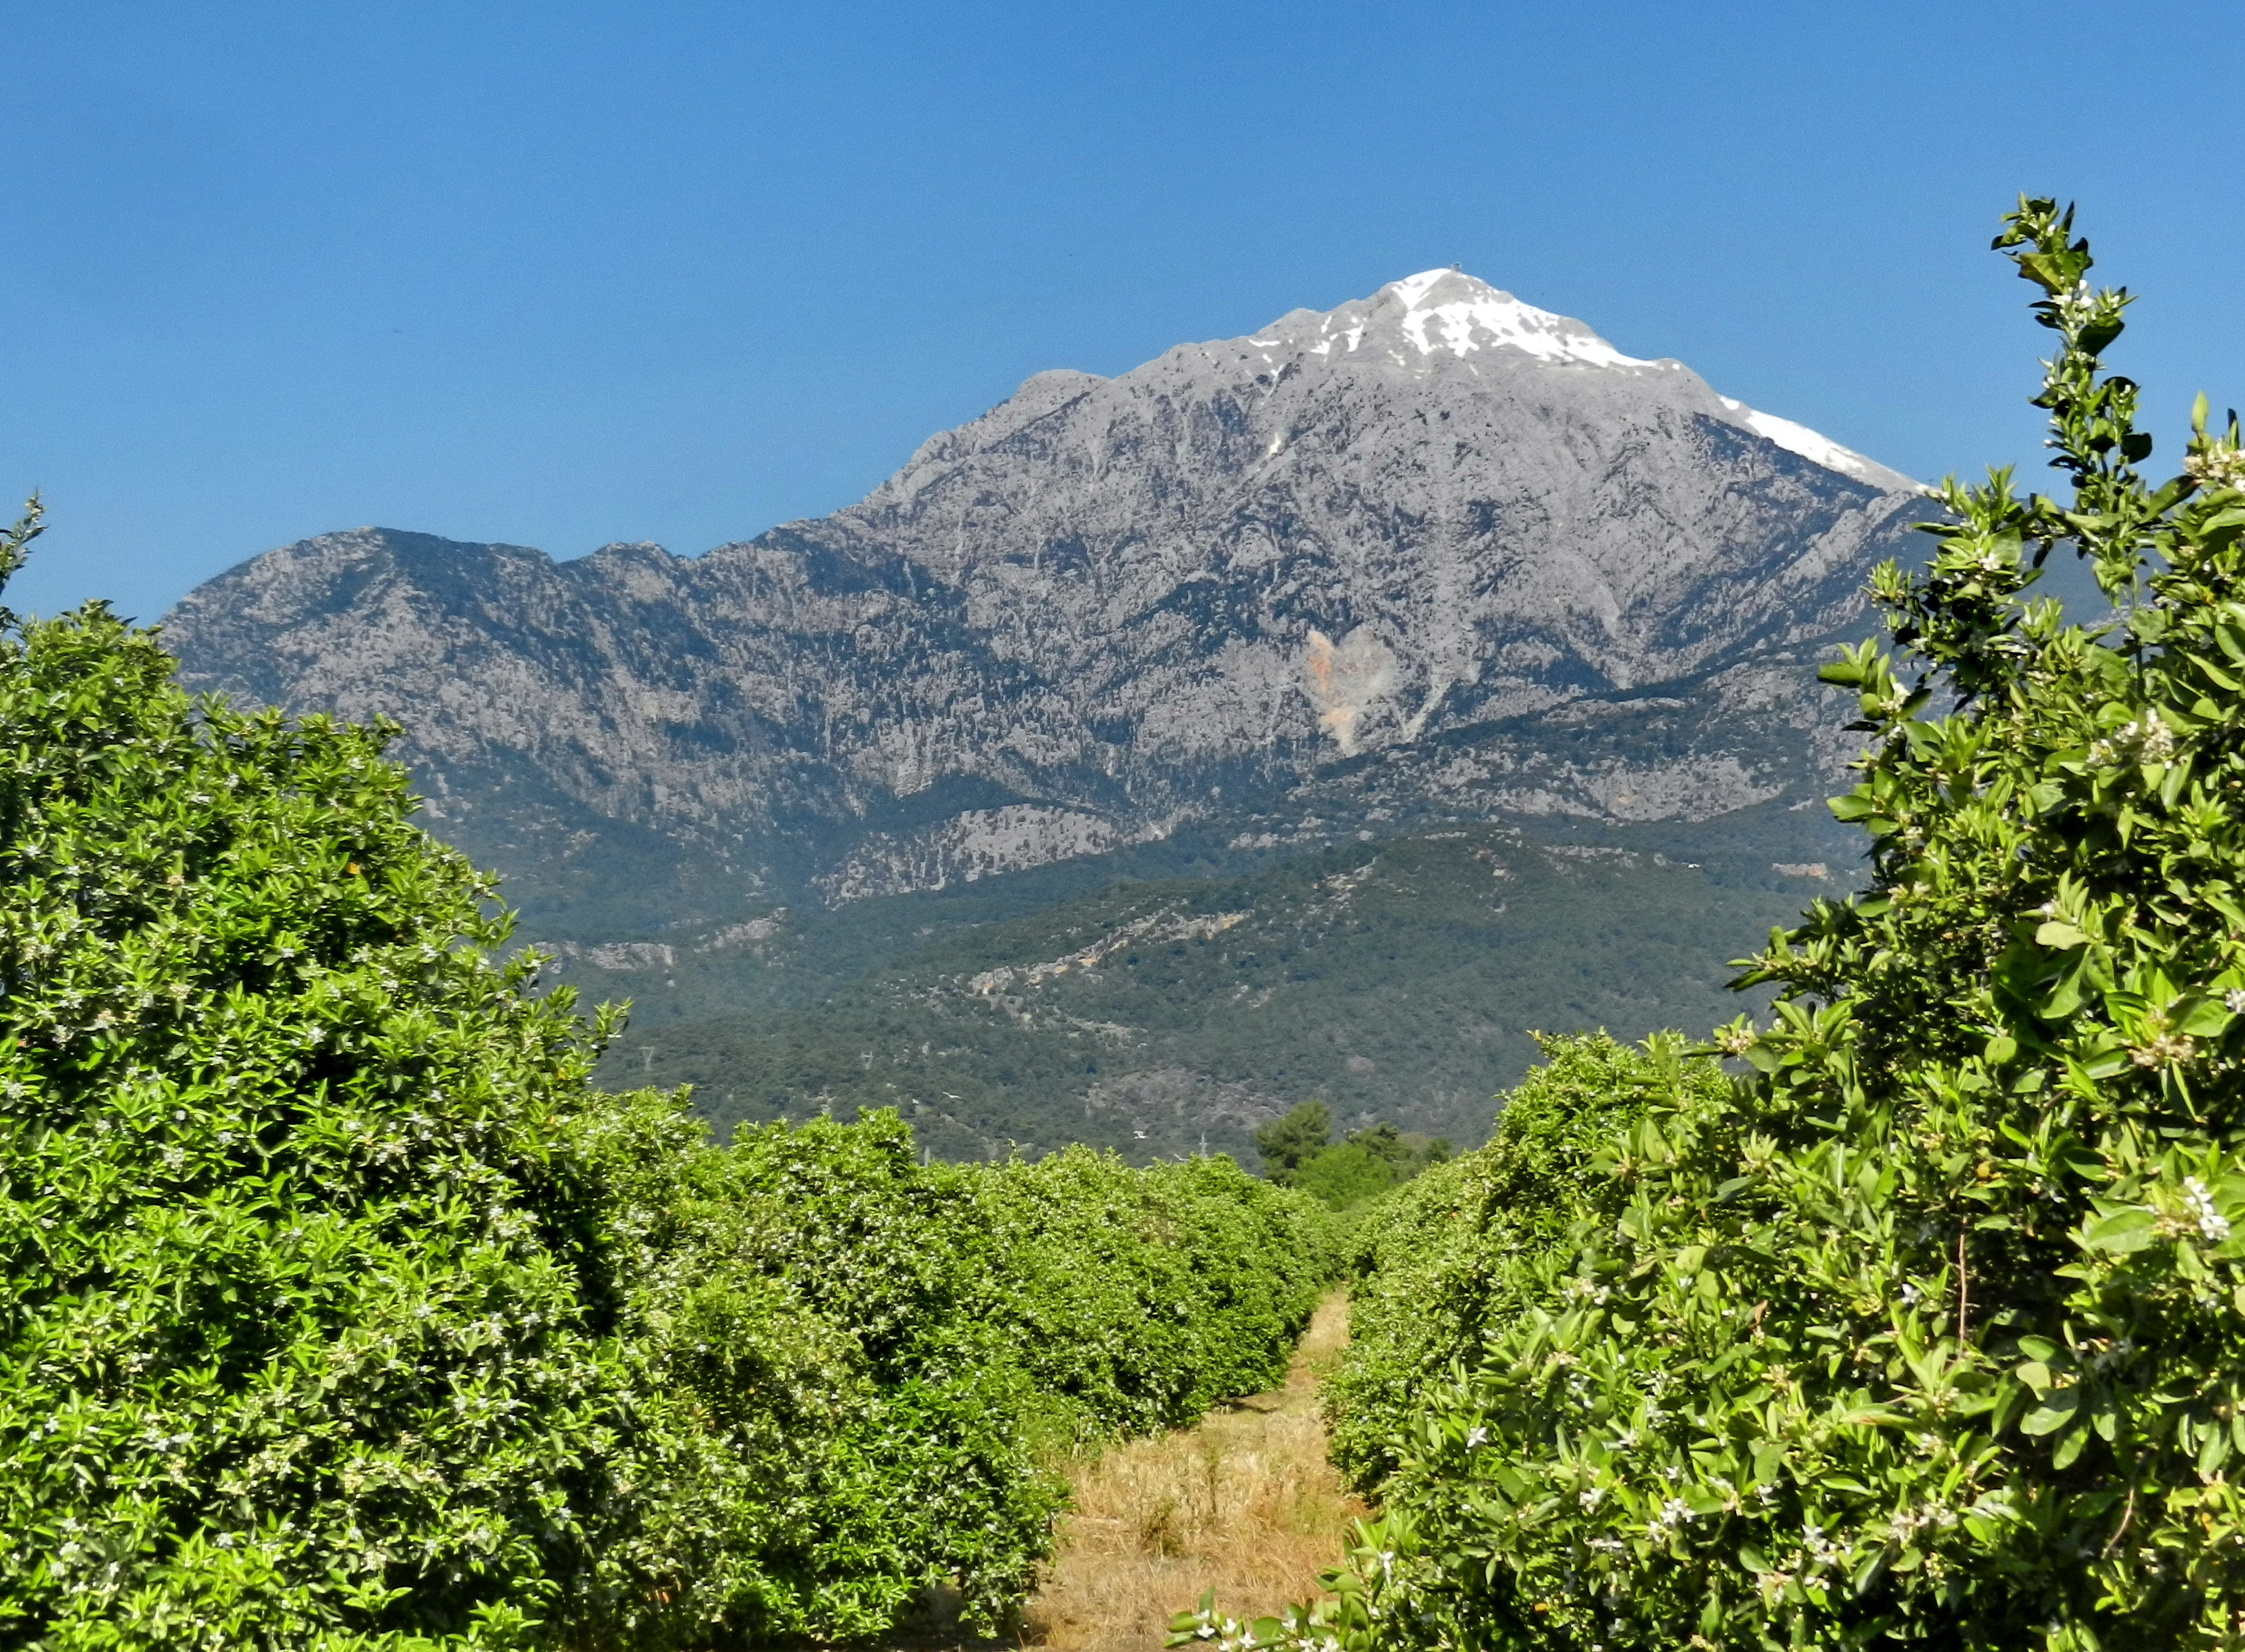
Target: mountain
1433	556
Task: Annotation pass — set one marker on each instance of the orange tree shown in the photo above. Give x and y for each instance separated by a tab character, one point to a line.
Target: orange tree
328	1313
295	1340
337	1310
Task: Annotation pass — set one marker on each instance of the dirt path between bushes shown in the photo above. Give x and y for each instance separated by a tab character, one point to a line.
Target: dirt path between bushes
1243	1503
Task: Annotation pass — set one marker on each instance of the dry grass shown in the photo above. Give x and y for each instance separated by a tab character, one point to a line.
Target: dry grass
1244	1504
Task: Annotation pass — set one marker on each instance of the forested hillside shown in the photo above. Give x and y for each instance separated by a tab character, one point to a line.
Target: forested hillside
1397	979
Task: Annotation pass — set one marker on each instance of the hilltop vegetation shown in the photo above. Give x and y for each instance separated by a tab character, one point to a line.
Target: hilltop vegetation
1298	1151
343	1311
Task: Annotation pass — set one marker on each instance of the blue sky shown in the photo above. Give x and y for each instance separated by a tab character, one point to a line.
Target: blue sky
561	274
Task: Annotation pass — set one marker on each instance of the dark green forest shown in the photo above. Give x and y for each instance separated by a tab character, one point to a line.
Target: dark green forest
1396	980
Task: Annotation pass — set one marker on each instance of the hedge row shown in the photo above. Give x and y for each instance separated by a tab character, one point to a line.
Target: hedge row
340	1311
1461	1251
852	1372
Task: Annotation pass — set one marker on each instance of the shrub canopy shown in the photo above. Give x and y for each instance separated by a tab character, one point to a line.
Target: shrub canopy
297	1337
1298	1151
1441	1261
340	1311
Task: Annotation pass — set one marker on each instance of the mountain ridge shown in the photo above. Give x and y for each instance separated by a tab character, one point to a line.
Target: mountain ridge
1096	612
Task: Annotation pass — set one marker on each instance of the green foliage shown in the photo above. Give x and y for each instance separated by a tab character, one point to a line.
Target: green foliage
1302	1133
1392	980
1934	1335
853	1369
810	1449
1467	1246
341	1312
1345	1175
1298	1151
16	542
1407	1153
1135	1299
294	1343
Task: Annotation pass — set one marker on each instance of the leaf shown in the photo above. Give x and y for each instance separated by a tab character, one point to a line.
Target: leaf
2215	673
2066	997
2068	1449
2009	1403
2053	1414
1871	1570
2059	936
2054	272
2201	1017
2122	1231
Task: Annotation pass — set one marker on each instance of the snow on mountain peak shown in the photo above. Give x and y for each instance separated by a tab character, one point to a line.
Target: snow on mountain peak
1818	449
1438	313
1449	309
1445	312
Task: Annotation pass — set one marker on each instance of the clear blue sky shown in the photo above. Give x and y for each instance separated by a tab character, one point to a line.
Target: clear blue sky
559	273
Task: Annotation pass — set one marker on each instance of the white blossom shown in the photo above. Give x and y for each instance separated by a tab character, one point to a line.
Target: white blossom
2198	1208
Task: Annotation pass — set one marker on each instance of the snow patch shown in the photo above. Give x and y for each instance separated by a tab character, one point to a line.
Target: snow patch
1447	312
1815	448
1448	309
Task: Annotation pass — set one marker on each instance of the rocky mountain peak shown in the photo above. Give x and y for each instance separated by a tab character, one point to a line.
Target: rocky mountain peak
1446	313
1439	318
1109	609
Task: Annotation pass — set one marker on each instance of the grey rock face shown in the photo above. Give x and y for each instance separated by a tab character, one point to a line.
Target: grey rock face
1430	549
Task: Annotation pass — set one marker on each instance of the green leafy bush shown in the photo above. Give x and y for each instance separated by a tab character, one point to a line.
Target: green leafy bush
804	1460
1935	1333
1135	1299
1346	1174
295	1340
1467	1246
855	1369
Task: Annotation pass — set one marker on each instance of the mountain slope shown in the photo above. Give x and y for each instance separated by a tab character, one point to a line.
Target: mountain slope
1103	611
1397	979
